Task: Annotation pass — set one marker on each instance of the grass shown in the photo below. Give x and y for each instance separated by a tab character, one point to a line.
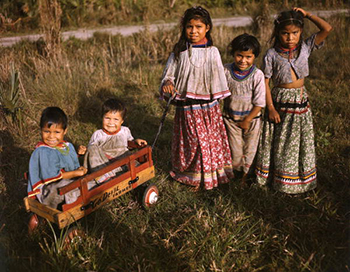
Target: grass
23	15
226	229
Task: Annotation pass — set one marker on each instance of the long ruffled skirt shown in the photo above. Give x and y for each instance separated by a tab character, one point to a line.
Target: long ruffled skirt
286	152
200	149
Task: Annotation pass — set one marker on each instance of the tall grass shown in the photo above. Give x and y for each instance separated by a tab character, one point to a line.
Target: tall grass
227	229
21	15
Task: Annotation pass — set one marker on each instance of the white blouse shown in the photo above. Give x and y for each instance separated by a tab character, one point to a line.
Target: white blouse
197	74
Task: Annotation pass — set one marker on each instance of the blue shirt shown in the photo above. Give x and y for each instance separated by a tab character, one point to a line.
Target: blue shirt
47	164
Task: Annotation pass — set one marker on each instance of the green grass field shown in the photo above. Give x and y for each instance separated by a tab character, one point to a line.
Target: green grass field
226	229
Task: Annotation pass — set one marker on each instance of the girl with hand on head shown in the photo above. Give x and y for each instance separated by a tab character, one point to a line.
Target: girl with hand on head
286	151
194	70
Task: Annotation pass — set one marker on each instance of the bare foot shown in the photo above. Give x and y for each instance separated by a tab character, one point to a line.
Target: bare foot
244	181
195	188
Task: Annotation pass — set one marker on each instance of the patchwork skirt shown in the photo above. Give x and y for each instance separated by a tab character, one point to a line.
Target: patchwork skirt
286	152
200	149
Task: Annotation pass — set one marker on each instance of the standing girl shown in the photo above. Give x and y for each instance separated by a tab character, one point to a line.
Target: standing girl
200	149
286	149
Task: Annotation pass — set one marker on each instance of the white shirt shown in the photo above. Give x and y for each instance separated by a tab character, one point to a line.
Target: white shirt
197	74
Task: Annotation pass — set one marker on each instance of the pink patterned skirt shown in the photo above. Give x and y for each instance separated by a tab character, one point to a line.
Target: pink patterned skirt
200	149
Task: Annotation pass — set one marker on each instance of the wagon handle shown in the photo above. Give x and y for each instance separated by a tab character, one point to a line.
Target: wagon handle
163	117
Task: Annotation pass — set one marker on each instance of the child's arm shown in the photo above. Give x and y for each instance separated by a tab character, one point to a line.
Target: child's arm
136	143
168	77
81	171
273	114
245	124
140	142
82	150
324	27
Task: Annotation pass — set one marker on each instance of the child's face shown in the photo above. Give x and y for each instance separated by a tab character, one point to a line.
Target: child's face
112	121
196	30
289	36
53	135
244	59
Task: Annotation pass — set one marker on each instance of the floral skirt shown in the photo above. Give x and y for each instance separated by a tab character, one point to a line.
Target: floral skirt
200	149
286	152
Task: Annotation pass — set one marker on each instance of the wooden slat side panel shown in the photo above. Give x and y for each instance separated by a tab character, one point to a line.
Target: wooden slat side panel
109	195
42	210
120	189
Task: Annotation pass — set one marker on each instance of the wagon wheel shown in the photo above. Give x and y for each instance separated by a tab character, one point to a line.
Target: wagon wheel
150	196
73	233
33	223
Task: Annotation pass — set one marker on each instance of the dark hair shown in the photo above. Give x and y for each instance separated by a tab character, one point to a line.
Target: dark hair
113	104
53	115
196	13
285	18
245	42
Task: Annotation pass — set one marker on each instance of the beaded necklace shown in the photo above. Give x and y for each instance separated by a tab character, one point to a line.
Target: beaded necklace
287	52
241	75
62	148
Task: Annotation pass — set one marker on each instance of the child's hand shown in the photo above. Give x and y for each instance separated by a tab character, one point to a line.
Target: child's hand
305	14
82	150
245	124
168	87
81	171
140	142
274	116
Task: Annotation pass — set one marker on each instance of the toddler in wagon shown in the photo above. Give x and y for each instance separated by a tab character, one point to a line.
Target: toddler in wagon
111	141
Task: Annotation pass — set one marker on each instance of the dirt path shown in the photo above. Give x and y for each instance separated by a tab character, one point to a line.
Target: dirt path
85	34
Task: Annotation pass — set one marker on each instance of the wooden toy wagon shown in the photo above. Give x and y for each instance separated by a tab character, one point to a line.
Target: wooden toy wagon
140	169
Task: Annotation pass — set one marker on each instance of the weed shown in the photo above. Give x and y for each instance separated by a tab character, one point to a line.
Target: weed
9	101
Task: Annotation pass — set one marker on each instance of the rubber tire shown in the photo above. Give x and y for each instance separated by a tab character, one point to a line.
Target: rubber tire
33	223
150	196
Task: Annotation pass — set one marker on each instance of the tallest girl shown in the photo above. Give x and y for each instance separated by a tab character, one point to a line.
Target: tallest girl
200	149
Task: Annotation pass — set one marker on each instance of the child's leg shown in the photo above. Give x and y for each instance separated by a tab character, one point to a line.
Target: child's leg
251	140
235	138
49	195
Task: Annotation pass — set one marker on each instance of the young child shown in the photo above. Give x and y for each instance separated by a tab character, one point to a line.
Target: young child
242	115
200	149
54	162
109	142
286	150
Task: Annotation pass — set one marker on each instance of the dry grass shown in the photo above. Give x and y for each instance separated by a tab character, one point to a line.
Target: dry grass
227	229
24	15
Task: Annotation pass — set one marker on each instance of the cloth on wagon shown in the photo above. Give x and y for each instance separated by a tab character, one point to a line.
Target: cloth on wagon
46	166
246	93
286	151
103	147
